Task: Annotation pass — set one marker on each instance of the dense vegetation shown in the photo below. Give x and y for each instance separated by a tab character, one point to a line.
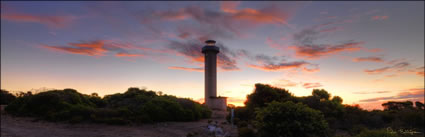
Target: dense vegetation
6	97
133	106
272	111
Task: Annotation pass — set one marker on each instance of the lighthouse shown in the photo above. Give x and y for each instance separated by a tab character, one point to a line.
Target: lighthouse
211	100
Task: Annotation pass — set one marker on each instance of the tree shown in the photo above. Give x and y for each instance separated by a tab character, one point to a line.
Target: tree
394	105
321	94
264	94
337	99
6	97
288	119
419	105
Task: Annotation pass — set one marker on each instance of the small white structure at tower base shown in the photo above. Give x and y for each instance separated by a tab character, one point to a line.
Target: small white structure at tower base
218	106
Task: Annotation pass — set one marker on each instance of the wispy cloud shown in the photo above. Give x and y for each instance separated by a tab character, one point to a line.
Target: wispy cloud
305	42
187	69
312	85
409	94
396	67
280	66
283	83
379	17
318	51
101	48
94	48
368	59
229	6
372	92
418	71
228	22
49	20
128	55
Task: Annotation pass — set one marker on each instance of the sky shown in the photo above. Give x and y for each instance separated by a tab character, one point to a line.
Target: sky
365	52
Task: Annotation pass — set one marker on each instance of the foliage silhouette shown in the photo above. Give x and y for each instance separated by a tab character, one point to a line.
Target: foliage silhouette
350	119
287	119
133	106
6	97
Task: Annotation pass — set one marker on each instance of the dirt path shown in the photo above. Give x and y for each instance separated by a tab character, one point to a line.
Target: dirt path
25	127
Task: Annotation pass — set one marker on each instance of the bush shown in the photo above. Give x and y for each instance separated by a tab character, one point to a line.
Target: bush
138	106
377	133
290	120
246	132
264	94
6	97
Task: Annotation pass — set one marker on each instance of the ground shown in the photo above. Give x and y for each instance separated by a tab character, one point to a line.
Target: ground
28	127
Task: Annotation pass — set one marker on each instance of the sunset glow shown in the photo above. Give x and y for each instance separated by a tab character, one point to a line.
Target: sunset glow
365	52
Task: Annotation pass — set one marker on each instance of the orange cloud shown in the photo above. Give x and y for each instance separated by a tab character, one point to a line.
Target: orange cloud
371	59
100	48
229	6
317	51
230	13
55	21
379	17
128	55
94	48
312	85
283	83
260	16
418	71
187	69
278	67
416	94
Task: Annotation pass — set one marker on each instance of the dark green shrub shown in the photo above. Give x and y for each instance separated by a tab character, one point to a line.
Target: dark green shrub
135	105
264	94
290	120
246	132
377	133
6	97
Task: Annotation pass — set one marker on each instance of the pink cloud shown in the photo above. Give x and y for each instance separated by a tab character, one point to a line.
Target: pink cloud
49	20
312	85
370	59
128	55
273	44
187	69
379	17
284	83
418	71
229	6
94	48
280	66
100	48
416	94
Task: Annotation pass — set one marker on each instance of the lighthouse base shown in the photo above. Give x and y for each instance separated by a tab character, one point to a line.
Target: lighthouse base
218	105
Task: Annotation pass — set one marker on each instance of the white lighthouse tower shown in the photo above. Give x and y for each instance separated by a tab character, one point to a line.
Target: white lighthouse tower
211	100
